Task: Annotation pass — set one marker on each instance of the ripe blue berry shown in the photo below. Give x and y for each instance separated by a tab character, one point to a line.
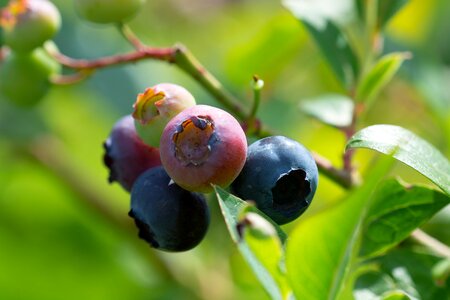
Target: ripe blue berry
280	175
126	155
203	145
169	218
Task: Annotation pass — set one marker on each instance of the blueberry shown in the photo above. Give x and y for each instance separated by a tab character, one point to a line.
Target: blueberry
25	78
126	155
280	175
203	145
28	24
169	218
108	11
156	106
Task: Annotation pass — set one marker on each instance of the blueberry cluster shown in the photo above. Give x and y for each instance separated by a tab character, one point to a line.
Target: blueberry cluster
200	146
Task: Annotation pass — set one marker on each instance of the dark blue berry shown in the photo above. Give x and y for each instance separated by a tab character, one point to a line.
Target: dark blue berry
280	176
168	217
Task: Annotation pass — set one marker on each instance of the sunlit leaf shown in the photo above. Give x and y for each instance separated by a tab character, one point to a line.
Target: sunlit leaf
261	254
321	18
380	74
409	149
332	109
387	9
395	212
321	250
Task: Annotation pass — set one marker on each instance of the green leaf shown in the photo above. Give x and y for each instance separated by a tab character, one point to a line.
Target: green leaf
320	18
387	9
409	149
395	212
405	272
372	284
380	75
321	250
332	109
264	256
395	295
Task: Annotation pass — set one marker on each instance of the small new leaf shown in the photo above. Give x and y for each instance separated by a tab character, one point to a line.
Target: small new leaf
332	109
380	75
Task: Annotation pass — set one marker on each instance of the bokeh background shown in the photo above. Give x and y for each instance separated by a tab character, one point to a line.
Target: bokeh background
64	231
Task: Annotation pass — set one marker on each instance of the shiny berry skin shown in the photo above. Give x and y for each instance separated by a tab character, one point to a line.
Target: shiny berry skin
156	106
203	145
25	78
280	176
126	155
28	24
107	11
169	218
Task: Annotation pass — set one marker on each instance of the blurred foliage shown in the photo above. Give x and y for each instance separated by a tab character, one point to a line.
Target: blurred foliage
55	245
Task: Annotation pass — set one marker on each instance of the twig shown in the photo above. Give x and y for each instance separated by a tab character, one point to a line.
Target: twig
164	54
342	177
71	78
431	243
183	58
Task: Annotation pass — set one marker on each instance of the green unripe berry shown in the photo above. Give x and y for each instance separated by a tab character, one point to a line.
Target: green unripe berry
24	78
156	106
107	11
27	24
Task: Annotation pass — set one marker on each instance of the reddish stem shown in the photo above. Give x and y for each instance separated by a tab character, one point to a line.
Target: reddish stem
163	54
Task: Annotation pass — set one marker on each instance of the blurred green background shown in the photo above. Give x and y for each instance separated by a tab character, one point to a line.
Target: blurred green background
64	231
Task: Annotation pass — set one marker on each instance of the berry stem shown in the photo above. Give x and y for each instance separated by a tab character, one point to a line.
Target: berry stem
186	61
257	85
340	176
129	35
71	78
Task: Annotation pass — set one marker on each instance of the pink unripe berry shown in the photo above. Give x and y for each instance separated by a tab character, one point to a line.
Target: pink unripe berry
201	146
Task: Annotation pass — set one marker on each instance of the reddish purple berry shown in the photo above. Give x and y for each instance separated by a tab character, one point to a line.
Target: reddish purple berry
203	145
126	155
